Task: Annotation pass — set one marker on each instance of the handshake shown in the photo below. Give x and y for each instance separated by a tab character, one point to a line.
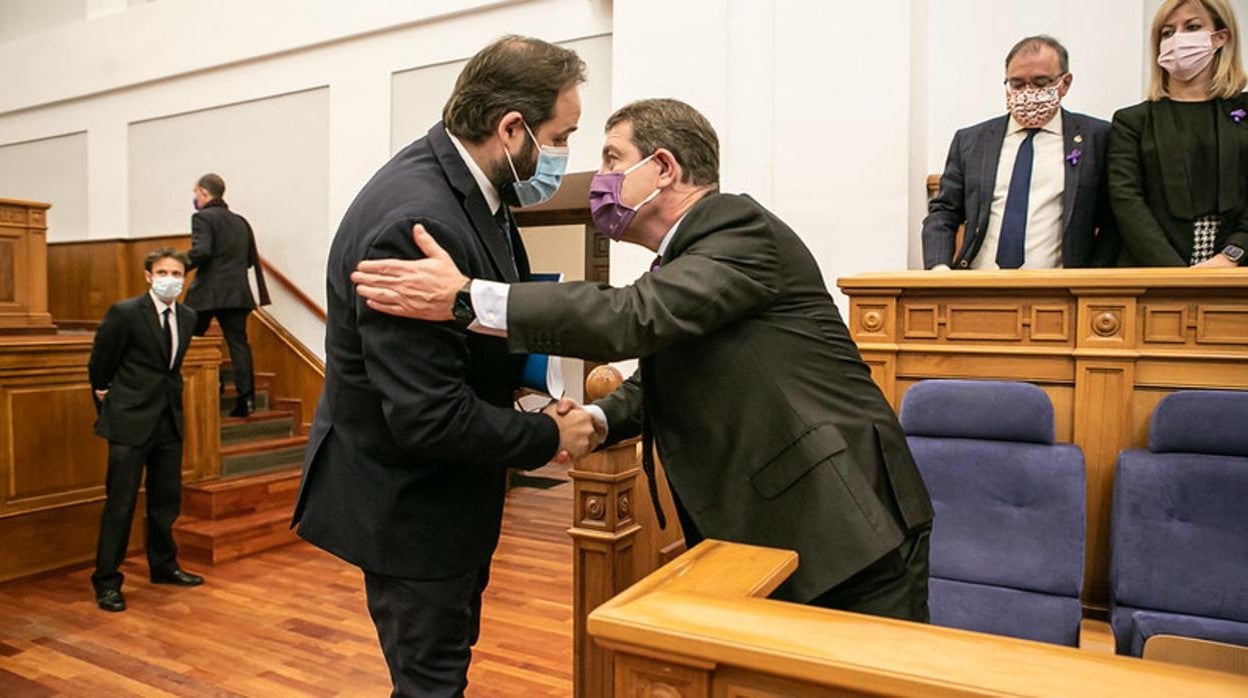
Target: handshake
579	432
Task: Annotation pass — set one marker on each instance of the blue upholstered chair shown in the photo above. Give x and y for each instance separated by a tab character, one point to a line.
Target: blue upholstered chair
1179	527
1008	539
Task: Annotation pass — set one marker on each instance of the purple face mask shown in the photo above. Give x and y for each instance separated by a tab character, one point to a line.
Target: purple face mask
612	217
195	202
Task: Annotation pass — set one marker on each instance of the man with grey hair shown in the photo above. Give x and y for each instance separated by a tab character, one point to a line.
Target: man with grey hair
769	426
1029	186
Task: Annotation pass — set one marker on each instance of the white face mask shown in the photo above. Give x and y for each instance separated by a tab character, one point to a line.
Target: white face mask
167	288
1185	54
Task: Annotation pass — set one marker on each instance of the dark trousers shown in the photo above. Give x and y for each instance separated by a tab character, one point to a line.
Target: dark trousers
233	322
162	454
427	628
895	586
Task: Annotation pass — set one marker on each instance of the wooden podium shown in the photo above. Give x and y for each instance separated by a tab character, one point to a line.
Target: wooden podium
1105	344
24	268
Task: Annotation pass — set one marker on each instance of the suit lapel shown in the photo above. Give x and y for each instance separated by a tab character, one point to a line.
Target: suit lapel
990	158
1176	175
461	179
1230	140
1072	139
150	319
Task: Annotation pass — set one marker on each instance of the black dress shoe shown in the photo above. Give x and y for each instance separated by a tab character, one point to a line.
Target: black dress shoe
242	407
180	578
111	600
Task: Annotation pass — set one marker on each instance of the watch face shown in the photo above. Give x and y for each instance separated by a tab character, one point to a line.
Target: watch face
462	310
1233	252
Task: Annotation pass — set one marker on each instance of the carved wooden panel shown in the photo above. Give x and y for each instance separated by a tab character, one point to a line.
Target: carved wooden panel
985	321
13	215
731	682
56	466
1165	323
921	322
872	321
1227	324
8	278
640	677
1050	323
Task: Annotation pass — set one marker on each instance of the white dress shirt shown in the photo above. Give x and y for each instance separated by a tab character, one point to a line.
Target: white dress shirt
1043	245
173	322
489	302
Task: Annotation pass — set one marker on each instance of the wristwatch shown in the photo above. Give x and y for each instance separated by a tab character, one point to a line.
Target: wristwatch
1233	252
462	309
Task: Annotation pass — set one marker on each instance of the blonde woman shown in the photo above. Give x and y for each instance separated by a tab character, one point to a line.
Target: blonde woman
1178	162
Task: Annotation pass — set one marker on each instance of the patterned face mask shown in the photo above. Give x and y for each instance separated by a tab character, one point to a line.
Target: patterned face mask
1032	107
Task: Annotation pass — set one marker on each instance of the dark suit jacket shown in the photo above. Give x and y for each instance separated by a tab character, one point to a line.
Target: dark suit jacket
768	424
405	468
1150	183
222	250
1089	237
129	359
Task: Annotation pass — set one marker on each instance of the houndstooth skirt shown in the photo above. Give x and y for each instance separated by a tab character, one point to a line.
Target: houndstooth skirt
1204	233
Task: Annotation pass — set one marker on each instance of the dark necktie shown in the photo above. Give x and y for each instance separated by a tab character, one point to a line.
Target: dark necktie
1011	244
504	225
658	259
168	334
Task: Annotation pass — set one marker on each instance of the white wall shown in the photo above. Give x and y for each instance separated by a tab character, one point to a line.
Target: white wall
54	170
829	116
160	74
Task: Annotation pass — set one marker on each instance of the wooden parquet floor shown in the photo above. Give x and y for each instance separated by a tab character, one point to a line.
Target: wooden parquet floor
289	622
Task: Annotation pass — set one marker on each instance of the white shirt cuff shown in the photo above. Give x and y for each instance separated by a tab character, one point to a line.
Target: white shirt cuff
489	302
938	267
599	417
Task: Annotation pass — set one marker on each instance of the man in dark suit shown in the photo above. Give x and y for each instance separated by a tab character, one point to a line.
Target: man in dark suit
405	469
223	248
1029	186
136	375
769	425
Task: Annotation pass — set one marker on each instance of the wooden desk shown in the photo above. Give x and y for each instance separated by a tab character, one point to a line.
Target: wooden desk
701	626
1105	344
24	268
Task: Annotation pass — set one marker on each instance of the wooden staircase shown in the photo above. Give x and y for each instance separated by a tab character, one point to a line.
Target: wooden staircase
247	509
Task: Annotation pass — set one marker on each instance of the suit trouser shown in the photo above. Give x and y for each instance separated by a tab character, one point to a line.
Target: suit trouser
427	628
895	586
162	455
233	322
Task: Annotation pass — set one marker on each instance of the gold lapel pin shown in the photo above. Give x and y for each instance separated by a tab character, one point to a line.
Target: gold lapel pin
1079	138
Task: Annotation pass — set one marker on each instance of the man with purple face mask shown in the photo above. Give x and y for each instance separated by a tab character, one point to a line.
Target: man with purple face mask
769	426
1028	186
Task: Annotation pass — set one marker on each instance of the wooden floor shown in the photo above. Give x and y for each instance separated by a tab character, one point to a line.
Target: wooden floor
293	622
288	622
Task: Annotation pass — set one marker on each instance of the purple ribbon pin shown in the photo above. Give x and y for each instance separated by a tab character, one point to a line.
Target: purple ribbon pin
1238	115
1073	157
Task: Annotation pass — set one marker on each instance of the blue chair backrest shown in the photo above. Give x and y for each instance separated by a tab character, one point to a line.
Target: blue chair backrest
1010	503
1179	534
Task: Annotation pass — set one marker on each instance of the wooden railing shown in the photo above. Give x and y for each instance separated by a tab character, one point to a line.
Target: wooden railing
1105	344
700	626
272	272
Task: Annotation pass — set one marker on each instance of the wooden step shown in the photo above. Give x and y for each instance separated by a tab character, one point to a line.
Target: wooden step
204	542
260	403
262	455
270	424
222	498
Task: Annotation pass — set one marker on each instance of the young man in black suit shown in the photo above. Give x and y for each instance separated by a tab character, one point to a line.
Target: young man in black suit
223	248
1029	186
136	375
405	470
769	426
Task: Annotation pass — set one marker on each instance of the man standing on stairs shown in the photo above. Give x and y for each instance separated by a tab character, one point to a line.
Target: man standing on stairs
406	466
223	247
136	375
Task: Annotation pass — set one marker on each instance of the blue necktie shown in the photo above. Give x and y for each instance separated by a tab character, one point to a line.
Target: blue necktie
1014	222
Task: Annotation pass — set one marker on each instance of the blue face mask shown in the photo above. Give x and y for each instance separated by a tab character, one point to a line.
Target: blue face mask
552	162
